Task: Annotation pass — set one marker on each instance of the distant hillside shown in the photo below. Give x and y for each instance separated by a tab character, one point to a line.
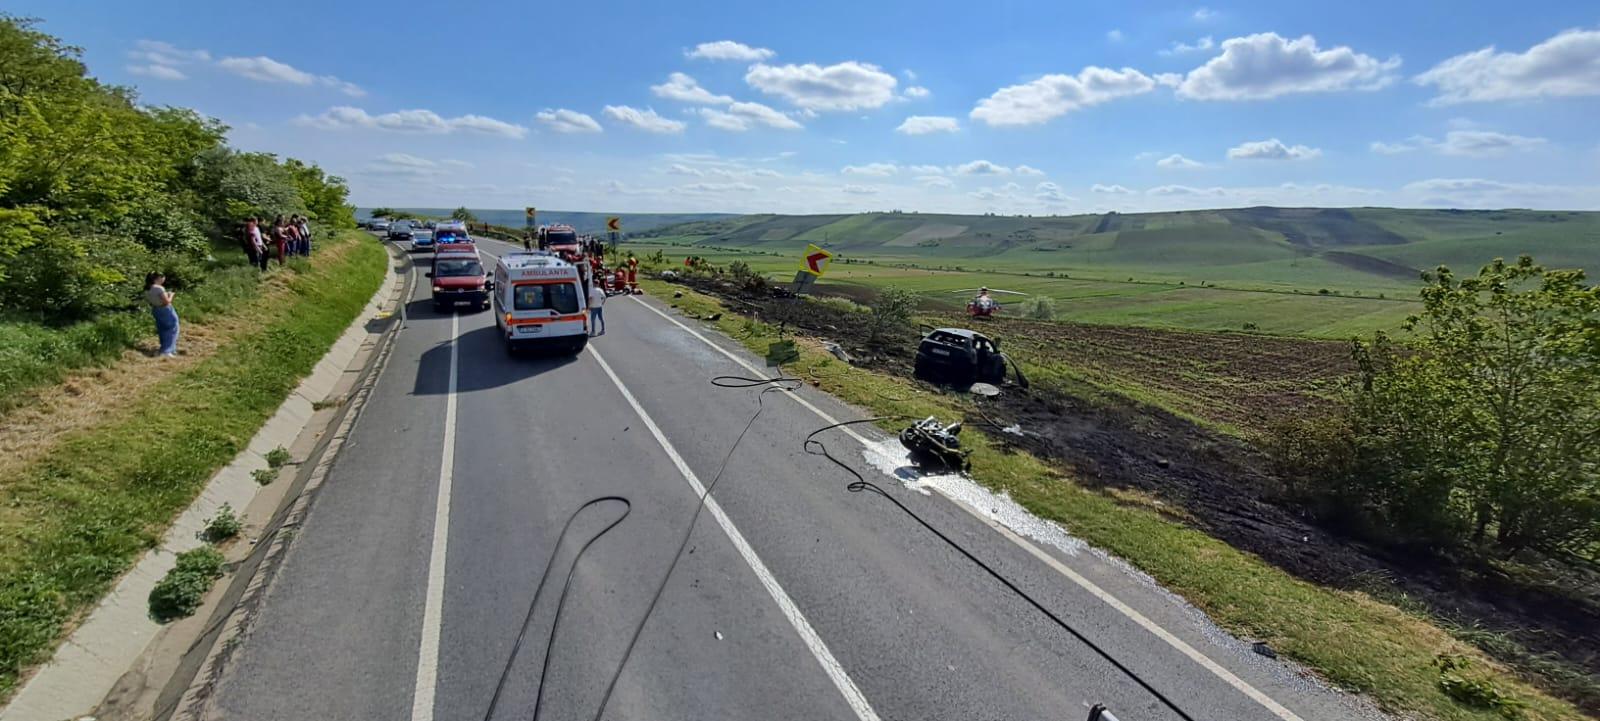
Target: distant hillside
584	222
1371	247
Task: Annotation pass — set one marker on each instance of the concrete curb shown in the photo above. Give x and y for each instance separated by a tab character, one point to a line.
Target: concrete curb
88	664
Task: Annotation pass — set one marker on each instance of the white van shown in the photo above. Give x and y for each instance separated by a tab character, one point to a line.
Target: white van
538	300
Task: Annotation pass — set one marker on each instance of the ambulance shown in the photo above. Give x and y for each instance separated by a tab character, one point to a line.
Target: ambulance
539	301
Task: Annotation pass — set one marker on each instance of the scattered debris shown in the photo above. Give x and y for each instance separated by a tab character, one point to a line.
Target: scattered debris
1162	462
934	446
1261	647
677	294
719	635
837	351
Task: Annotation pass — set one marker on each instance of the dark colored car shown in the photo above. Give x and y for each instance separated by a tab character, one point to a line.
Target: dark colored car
400	230
960	357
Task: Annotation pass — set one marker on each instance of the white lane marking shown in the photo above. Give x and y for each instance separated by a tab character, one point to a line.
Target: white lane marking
819	649
1115	603
433	609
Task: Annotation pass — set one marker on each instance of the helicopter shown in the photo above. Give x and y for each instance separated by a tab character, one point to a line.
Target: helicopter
984	306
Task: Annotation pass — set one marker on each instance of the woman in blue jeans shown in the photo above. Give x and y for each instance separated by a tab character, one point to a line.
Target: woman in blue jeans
160	300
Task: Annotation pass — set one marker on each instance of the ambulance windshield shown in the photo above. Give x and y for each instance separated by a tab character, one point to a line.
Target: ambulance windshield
560	297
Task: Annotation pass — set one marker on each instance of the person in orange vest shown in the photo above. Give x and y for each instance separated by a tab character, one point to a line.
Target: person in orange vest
633	274
621	280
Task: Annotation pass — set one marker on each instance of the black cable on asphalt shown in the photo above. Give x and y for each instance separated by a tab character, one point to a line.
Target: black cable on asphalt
561	604
779	383
817	448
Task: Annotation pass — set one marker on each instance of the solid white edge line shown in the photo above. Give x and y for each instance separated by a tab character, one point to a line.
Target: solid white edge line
422	696
830	665
1115	603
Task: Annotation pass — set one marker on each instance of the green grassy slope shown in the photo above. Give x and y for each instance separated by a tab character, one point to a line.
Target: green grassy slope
1331	272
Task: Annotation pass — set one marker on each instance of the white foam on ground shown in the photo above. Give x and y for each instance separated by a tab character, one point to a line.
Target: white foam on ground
895	461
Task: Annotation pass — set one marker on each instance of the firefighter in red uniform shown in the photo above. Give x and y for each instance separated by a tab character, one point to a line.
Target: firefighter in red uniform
633	274
620	280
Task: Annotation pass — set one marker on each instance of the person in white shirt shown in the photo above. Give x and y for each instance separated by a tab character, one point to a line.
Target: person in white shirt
597	299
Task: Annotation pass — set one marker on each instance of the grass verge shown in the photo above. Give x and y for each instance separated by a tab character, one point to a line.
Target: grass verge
34	355
1351	639
73	521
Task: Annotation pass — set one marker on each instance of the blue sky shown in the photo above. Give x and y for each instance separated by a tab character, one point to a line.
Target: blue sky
831	106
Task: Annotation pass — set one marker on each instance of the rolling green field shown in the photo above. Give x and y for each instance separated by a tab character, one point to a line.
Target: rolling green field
1327	273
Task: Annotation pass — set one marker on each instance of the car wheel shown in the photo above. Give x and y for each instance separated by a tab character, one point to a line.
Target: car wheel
578	345
438	307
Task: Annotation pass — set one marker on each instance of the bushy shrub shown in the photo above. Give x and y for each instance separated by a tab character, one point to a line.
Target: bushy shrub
1481	431
1039	307
179	593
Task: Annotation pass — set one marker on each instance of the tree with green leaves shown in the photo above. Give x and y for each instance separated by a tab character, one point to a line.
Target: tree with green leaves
891	309
1486	428
382	213
463	215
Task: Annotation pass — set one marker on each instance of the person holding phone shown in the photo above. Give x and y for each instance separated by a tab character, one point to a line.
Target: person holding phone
160	300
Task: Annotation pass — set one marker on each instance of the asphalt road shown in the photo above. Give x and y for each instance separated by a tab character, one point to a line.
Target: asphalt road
404	590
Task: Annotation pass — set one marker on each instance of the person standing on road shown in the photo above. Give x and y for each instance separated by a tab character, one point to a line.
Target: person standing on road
597	301
633	274
160	300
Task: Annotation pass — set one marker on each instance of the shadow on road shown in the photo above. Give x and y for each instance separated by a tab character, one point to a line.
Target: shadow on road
484	363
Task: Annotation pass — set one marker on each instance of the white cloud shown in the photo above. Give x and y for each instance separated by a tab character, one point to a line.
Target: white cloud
681	169
1177	161
1109	189
267	70
860	189
1168	80
155	70
409	121
935	181
1466	143
877	169
1028	170
1052	96
405	160
1185	190
728	50
740	117
156	52
1566	65
1484	143
1383	148
1051	193
684	89
1179	47
917	92
980	167
646	120
1272	149
716	188
848	85
925	169
1204	14
1483	193
926	124
563	120
1114	35
1267	65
